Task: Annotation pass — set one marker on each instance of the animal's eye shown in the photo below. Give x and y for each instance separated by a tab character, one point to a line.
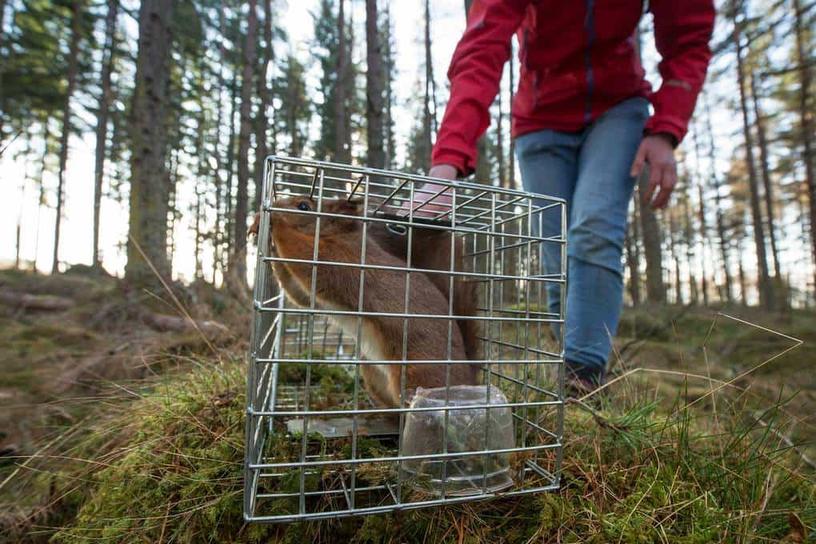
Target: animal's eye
304	206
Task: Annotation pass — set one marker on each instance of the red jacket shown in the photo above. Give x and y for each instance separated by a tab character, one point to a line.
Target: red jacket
578	58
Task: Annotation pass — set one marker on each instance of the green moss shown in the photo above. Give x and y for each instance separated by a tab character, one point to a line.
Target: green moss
641	476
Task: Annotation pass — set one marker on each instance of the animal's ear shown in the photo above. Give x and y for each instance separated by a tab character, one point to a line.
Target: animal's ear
256	224
351	207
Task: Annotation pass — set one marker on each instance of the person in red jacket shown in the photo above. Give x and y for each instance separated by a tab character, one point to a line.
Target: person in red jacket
583	132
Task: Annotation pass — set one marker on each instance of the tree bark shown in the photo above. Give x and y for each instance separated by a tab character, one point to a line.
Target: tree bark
634	278
233	136
73	67
678	284
102	121
743	281
427	122
389	93
41	199
341	150
703	238
503	180
689	235
150	181
633	256
217	233
2	37
238	254
655	290
511	174
806	121
762	140
765	288
264	94
374	88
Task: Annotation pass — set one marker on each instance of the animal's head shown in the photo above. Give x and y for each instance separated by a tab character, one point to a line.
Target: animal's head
300	214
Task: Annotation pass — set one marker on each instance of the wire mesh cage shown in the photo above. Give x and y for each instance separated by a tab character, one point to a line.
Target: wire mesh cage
401	356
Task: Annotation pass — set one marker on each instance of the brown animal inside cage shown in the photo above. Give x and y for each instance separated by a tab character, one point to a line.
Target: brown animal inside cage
392	328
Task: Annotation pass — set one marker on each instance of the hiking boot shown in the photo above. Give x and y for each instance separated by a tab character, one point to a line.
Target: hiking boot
581	380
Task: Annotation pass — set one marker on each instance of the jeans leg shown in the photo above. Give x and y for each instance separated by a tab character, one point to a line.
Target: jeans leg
595	240
548	161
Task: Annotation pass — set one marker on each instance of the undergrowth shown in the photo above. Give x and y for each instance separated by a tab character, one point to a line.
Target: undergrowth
631	474
157	456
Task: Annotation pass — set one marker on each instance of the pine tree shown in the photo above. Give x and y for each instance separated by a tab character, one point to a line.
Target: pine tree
150	183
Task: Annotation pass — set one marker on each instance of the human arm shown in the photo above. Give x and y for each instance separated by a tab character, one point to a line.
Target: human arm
682	34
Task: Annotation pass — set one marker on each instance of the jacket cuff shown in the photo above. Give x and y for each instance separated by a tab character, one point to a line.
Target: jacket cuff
662	125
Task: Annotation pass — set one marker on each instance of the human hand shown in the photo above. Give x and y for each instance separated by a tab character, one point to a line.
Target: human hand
657	150
442	202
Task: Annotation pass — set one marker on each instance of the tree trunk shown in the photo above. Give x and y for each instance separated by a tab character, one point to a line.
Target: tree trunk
2	36
511	174
502	181
427	122
742	281
199	268
765	288
102	121
703	239
655	290
233	136
238	253
264	94
721	234
217	233
150	182
73	66
806	121
767	184
374	88
633	257
389	94
23	184
41	198
678	284
701	217
341	150
689	235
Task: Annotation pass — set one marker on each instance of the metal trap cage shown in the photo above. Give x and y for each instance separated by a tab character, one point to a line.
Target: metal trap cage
320	440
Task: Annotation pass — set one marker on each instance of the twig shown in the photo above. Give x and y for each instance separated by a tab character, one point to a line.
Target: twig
10	142
797	343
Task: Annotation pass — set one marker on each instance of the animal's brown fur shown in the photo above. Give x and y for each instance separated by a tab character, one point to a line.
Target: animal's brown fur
337	288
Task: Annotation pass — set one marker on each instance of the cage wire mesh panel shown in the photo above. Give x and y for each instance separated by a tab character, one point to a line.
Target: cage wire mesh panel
344	421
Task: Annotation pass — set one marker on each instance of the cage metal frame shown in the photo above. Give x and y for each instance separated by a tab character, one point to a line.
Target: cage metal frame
475	210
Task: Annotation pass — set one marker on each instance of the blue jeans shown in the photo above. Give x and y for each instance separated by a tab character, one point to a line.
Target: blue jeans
590	170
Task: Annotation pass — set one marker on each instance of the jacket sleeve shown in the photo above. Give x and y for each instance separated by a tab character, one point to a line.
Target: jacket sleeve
475	73
682	33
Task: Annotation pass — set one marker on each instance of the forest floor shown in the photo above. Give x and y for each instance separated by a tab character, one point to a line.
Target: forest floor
115	429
